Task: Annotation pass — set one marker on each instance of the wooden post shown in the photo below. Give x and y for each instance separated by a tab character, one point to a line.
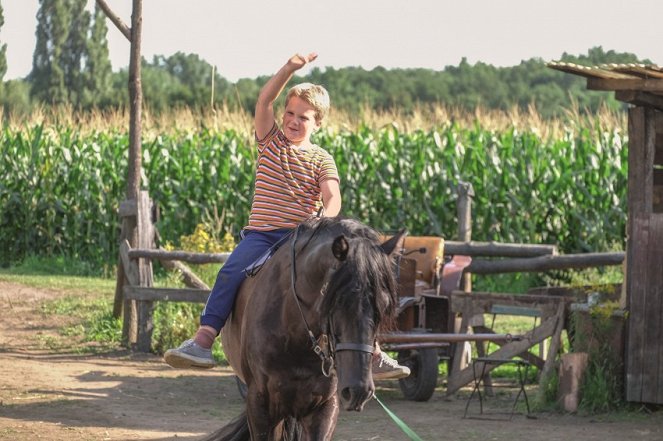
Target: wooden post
464	208
555	341
145	309
129	224
571	369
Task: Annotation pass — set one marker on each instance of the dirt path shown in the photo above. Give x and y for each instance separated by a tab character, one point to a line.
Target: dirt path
51	392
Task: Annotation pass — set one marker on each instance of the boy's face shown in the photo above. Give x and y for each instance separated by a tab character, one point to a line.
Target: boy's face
299	121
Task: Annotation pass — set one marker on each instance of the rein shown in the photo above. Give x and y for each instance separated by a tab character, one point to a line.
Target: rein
326	357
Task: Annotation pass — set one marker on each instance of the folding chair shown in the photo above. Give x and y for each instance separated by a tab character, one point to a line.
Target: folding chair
480	364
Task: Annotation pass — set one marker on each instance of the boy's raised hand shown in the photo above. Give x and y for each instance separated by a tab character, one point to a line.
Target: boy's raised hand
298	61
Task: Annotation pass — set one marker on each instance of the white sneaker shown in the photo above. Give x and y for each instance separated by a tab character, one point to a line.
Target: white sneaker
190	355
386	368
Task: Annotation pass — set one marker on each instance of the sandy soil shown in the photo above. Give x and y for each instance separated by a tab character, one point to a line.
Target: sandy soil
49	391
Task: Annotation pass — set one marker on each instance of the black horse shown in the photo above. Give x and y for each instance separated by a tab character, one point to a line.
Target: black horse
302	332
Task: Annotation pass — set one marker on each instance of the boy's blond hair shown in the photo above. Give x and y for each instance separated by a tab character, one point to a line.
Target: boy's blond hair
314	95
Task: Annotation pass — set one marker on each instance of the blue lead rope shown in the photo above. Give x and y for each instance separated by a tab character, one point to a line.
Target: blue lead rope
404	427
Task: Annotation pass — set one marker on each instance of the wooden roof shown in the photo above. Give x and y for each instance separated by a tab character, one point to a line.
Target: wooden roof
640	84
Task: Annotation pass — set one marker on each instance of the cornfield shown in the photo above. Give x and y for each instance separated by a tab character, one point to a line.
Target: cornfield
61	185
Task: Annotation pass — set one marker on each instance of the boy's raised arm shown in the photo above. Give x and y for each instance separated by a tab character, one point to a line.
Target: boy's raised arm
264	116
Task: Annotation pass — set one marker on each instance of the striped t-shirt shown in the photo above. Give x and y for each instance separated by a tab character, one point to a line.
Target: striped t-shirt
288	178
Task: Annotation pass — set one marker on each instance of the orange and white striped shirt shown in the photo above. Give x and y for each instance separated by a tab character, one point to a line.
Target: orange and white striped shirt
288	178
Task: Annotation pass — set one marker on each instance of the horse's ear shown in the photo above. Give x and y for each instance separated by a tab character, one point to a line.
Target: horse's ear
395	244
340	248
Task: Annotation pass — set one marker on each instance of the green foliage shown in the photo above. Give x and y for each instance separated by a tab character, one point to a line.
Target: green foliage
48	75
97	72
61	188
598	332
182	79
3	52
601	387
70	63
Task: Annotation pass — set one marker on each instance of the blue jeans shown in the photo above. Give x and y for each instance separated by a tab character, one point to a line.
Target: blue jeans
231	275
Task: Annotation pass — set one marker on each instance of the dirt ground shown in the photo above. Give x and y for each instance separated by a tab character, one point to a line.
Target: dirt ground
49	391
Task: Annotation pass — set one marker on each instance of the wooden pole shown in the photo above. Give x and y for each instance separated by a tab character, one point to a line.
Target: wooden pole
545	263
464	207
129	223
497	249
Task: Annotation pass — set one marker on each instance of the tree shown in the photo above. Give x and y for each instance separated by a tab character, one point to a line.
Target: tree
70	63
75	53
98	69
3	51
48	75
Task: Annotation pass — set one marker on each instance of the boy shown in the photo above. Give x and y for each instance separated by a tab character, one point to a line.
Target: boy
294	180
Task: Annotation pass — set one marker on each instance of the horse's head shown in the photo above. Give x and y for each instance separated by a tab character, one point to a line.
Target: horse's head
359	300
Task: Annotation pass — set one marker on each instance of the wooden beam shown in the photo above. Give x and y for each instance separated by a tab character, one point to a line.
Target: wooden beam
484	300
496	249
641	84
189	278
555	344
429	337
461	378
185	256
117	21
166	294
545	263
639	98
130	267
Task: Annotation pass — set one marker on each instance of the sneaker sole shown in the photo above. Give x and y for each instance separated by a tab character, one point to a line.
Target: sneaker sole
184	361
392	375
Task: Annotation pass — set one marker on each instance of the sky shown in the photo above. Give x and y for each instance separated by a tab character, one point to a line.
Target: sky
248	38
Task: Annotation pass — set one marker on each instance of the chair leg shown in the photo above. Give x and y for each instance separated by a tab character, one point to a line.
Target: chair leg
476	389
522	377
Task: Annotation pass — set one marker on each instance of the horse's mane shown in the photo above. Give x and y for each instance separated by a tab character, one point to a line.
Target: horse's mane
365	278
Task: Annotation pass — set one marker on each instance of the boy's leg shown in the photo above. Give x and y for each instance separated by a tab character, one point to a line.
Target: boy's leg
196	352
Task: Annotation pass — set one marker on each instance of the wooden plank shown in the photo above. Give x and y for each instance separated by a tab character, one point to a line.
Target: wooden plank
166	294
638	166
640	70
645	85
482	302
655	285
528	356
184	256
129	266
636	291
639	98
555	343
144	308
515	310
189	278
458	362
589	72
145	236
463	377
650	320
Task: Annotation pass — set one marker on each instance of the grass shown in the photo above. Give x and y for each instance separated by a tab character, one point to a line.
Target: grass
88	305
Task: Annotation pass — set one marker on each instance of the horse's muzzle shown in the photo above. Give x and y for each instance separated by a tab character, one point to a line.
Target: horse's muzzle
354	398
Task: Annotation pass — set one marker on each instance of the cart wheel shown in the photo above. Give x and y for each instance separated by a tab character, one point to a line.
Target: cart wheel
241	387
420	385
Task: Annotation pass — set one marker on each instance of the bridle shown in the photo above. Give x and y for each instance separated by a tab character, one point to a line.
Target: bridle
324	347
